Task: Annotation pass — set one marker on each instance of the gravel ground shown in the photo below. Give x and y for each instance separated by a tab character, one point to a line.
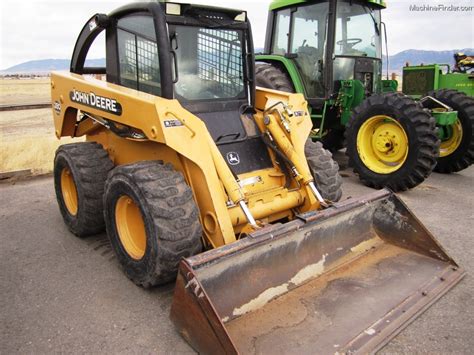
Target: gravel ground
63	294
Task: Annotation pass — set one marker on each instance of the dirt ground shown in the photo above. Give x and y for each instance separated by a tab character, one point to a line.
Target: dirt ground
61	294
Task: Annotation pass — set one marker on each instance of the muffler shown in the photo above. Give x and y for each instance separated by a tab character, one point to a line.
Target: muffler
345	279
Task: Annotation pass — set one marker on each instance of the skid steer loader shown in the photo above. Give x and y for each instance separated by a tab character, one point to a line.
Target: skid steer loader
182	154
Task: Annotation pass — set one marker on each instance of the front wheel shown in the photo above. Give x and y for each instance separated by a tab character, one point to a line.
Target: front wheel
392	142
152	221
457	140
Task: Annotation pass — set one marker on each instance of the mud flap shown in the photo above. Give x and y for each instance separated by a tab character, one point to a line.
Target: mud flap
343	280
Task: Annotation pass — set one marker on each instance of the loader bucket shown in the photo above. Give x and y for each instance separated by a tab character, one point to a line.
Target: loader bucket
343	280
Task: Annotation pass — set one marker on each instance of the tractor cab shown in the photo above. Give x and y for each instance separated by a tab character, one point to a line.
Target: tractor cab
326	48
331	51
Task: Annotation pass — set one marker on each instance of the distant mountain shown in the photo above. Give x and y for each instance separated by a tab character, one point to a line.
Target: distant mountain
416	57
47	65
396	62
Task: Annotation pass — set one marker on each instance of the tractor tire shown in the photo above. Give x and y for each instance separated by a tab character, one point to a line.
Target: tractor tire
457	152
80	171
392	142
272	77
325	171
152	221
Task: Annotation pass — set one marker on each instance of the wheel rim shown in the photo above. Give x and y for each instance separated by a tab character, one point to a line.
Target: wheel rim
130	227
382	144
450	144
69	191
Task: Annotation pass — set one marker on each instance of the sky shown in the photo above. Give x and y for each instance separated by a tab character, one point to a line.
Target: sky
43	29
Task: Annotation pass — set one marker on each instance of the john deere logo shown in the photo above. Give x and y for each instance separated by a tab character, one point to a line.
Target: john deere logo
233	158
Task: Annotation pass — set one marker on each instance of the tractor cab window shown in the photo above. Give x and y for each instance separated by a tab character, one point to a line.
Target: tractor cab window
307	42
209	63
357	31
282	30
138	54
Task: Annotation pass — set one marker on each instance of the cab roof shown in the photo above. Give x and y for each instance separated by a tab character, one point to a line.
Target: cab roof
278	4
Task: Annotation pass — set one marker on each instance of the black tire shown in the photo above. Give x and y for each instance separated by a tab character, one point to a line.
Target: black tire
325	171
463	156
272	77
169	213
87	165
420	129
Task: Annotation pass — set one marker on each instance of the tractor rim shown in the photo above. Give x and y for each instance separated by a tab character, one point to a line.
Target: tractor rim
454	137
382	144
69	191
130	227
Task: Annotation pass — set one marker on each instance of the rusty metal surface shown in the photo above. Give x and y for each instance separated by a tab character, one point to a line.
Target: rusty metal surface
195	317
350	277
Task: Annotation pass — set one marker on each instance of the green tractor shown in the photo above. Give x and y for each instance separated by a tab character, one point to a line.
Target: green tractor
449	94
331	51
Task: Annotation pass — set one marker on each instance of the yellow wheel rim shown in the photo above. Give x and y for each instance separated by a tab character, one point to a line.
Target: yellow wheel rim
130	227
449	145
382	144
69	191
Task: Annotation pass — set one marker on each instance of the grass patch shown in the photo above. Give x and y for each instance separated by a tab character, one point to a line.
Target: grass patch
22	91
27	141
33	152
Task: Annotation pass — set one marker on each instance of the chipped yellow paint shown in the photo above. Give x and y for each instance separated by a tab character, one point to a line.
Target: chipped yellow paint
305	274
365	245
309	272
261	300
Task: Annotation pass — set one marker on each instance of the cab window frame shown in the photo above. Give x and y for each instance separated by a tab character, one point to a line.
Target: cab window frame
120	29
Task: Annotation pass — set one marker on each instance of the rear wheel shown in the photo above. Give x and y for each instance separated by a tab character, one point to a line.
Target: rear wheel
271	77
457	143
152	221
80	171
325	171
391	142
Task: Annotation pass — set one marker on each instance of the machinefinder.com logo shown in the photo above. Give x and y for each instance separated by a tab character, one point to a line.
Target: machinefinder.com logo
441	8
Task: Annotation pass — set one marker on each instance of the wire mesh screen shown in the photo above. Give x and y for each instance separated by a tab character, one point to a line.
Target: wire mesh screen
139	65
220	59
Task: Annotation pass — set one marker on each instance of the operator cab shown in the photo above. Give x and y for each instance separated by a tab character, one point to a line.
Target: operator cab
201	56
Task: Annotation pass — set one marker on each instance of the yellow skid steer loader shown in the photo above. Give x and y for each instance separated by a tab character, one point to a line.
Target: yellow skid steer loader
184	154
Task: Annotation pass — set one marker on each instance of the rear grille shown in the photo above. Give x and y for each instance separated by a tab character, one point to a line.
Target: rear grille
418	81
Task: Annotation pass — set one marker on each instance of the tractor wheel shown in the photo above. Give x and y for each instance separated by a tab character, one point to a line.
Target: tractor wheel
392	142
457	148
271	77
80	171
152	221
325	171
